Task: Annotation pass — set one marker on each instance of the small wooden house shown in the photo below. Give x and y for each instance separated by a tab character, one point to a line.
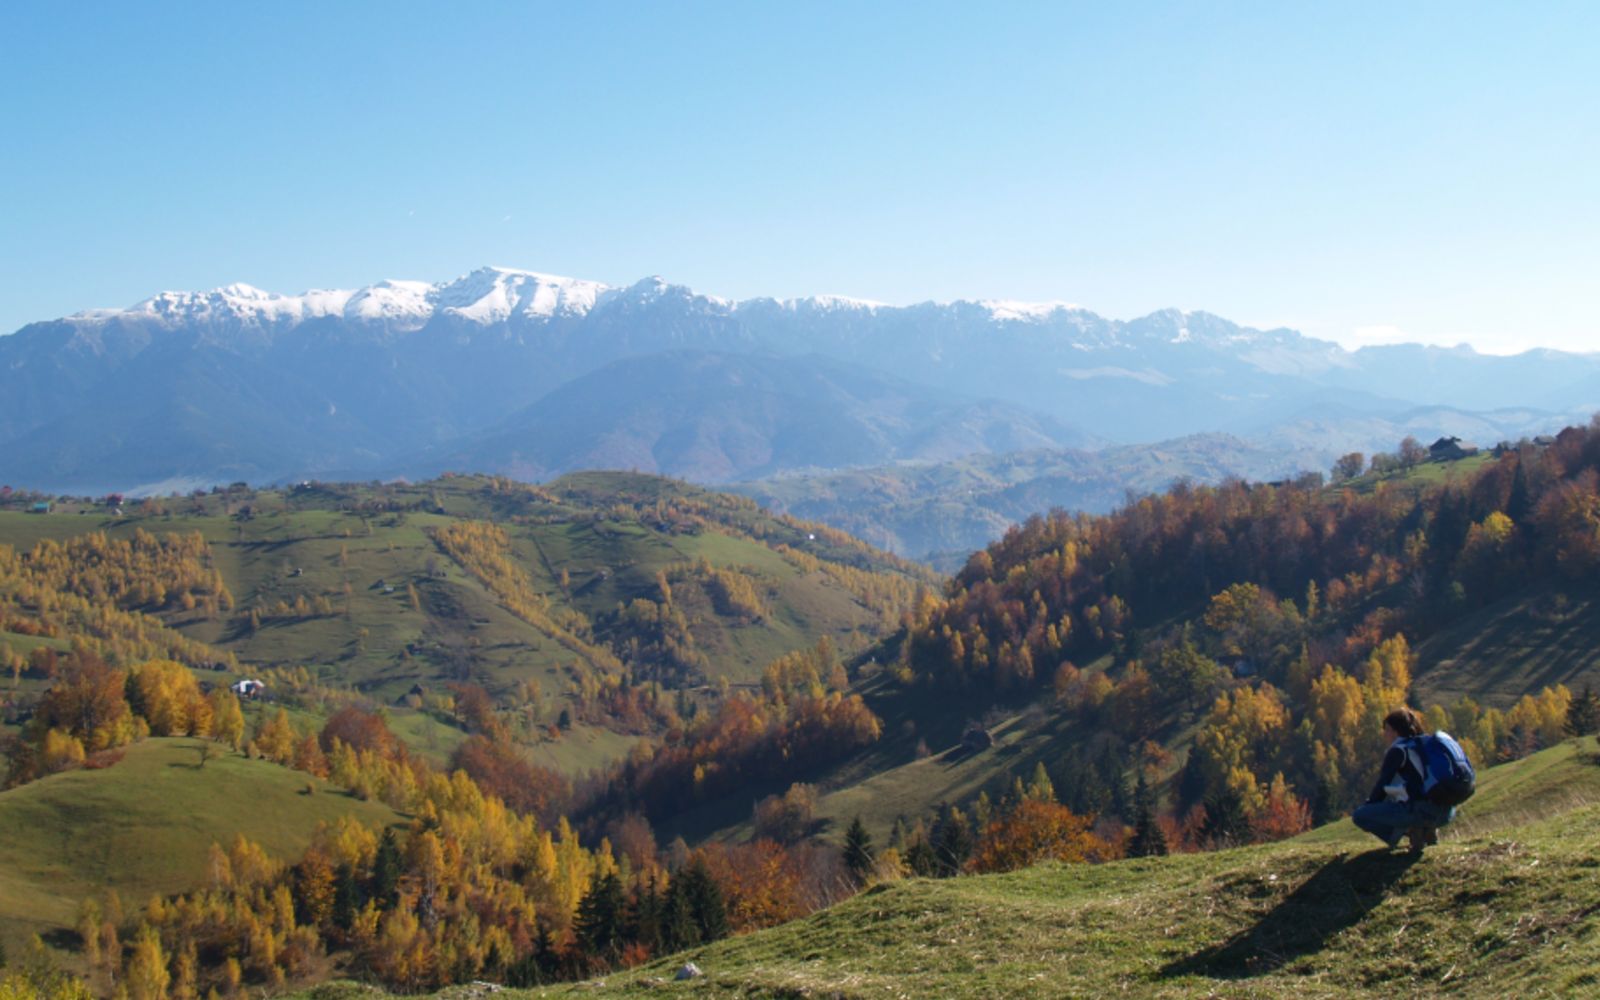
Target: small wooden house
1448	449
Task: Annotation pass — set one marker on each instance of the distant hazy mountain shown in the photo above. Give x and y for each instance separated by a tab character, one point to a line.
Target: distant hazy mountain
921	511
924	510
713	417
237	383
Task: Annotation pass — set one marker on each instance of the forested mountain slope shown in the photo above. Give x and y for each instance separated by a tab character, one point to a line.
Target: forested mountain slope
1236	645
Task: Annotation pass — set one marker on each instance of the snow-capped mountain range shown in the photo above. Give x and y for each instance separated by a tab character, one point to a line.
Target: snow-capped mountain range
407	377
494	295
486	296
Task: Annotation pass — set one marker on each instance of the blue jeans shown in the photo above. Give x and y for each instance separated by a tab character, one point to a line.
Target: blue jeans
1389	821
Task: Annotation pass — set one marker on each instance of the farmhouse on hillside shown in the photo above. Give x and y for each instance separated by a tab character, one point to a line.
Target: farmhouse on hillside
1450	448
248	688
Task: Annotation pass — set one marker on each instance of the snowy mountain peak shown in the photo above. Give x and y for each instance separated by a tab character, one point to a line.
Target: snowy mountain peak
391	301
656	289
493	294
654	285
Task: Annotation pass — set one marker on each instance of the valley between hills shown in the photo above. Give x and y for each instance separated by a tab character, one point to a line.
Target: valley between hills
467	729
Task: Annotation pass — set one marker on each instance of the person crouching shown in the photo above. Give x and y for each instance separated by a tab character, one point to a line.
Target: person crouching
1397	808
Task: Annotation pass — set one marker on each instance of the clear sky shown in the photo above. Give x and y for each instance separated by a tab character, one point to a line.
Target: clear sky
1363	172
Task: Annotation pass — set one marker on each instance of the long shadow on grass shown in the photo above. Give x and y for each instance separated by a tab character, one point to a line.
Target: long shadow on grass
1336	897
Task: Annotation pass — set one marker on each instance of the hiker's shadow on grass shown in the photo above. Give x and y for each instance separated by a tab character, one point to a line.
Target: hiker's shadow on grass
1336	897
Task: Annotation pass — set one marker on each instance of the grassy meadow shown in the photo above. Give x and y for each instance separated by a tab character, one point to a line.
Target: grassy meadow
145	826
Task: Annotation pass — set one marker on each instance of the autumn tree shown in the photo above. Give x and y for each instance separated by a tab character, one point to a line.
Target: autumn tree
1036	831
1348	466
88	701
167	695
147	976
1411	452
275	739
228	719
786	818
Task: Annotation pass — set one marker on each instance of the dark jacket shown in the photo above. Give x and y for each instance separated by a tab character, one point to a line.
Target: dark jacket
1399	767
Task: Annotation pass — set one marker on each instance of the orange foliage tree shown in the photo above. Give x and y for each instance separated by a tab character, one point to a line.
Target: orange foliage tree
1035	831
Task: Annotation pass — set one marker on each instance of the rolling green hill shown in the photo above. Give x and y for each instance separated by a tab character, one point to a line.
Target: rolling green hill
145	826
354	583
1507	905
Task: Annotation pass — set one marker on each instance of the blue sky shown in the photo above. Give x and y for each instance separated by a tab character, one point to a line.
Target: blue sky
1358	171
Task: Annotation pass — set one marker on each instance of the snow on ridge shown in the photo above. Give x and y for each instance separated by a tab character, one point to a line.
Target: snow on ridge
1011	309
391	300
833	302
493	294
487	295
238	301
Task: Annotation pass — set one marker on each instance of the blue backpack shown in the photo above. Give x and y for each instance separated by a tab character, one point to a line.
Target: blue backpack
1447	775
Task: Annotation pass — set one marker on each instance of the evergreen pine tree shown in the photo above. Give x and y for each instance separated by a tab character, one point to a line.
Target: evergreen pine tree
1518	503
536	967
952	843
695	911
1148	838
1325	801
678	927
646	915
386	868
706	900
1226	823
1073	788
858	854
600	915
921	859
1583	715
1114	772
1191	783
346	897
547	958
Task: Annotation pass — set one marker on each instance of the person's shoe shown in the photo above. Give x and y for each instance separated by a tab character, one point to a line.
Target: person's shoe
1418	837
1430	835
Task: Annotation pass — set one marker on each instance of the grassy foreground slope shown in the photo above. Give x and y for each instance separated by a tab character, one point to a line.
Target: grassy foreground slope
1507	905
146	825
